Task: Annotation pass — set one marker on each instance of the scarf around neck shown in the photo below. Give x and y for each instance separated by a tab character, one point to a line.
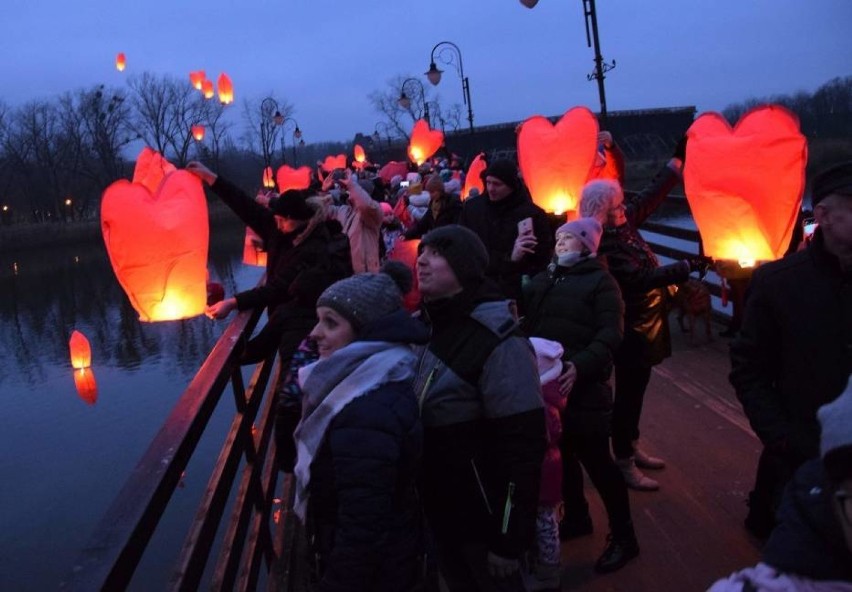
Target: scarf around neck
331	384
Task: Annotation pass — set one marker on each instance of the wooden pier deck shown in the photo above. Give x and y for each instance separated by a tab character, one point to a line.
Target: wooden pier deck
690	531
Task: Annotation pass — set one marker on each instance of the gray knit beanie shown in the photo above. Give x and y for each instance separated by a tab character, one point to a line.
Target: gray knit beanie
462	248
586	230
363	298
836	439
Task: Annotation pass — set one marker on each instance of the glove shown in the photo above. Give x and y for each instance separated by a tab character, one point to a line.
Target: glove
700	264
680	150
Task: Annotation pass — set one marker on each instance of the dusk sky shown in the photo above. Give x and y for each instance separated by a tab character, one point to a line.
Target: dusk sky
326	56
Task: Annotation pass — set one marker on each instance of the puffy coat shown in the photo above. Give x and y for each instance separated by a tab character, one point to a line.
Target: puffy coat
550	490
581	308
449	212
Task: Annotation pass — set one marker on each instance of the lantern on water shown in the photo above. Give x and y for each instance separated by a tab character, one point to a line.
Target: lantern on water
207	89
157	239
254	252
268	178
424	142
555	160
745	184
198	132
197	79
334	162
81	351
226	89
290	178
86	385
120	62
474	175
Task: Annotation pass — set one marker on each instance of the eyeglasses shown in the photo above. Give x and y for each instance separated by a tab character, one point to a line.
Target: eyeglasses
844	498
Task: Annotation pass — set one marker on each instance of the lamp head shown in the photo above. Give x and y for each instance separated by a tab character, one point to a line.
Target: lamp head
434	74
404	101
278	119
297	133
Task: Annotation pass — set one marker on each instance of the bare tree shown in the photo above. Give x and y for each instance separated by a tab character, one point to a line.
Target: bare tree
400	119
261	127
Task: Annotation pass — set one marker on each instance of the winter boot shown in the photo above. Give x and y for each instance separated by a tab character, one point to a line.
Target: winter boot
633	477
646	461
620	548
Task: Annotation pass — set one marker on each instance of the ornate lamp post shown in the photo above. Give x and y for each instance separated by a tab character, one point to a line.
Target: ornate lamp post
450	54
377	138
405	102
270	118
297	135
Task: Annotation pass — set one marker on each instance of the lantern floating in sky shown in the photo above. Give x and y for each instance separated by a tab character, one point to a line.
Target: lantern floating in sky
198	132
197	78
424	142
254	252
474	176
207	88
86	385
268	178
334	162
555	160
157	239
745	184
290	178
226	89
120	62
81	351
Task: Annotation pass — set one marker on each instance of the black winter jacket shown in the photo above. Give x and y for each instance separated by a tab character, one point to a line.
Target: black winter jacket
451	209
581	308
642	280
496	223
794	350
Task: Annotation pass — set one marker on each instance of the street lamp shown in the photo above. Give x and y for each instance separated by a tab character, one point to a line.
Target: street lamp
270	118
297	135
377	138
405	102
450	54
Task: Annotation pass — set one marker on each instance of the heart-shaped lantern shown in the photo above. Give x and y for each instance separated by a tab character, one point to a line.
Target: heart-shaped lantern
744	185
424	142
157	241
392	169
474	176
334	162
151	169
555	160
290	178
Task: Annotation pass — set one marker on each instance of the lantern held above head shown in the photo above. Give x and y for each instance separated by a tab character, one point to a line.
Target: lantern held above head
268	178
555	160
745	184
392	169
360	155
474	176
334	162
290	178
157	241
207	89
424	142
120	62
226	89
198	132
81	351
151	168
86	385
197	79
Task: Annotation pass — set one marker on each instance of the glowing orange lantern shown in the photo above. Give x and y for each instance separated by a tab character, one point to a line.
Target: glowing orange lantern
81	351
406	251
151	169
253	249
86	385
744	185
392	169
334	162
424	142
197	79
226	89
207	89
157	240
556	160
198	132
290	178
268	178
120	62
360	155
474	175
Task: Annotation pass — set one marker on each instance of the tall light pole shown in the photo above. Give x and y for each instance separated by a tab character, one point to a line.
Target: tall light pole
377	138
270	119
405	102
297	135
450	54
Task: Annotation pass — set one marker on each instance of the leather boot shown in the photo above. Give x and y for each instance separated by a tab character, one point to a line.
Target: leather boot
633	477
646	461
618	551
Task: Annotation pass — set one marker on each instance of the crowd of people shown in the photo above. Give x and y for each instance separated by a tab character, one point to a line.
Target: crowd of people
451	440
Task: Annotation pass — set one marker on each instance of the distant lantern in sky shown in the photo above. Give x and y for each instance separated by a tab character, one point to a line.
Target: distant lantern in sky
198	132
424	142
556	160
157	239
81	351
207	88
226	89
120	62
474	176
197	79
290	178
745	184
268	178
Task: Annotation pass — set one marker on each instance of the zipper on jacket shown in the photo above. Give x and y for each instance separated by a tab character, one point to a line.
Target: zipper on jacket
422	396
481	488
507	510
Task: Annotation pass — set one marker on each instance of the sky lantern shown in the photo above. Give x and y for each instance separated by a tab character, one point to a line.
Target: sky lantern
290	178
392	169
207	88
474	176
226	89
254	252
120	62
197	79
555	160
81	351
424	142
198	132
268	178
86	385
157	239
334	162
745	184
360	156
406	252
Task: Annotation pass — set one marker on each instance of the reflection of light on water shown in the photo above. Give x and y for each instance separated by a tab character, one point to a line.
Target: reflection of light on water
15	268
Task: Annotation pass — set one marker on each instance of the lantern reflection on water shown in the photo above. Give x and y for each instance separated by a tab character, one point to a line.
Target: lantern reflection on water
86	385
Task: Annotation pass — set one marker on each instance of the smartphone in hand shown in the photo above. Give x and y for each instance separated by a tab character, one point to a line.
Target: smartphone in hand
525	226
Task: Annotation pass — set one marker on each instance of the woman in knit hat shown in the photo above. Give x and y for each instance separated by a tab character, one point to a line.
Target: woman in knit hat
360	438
577	303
